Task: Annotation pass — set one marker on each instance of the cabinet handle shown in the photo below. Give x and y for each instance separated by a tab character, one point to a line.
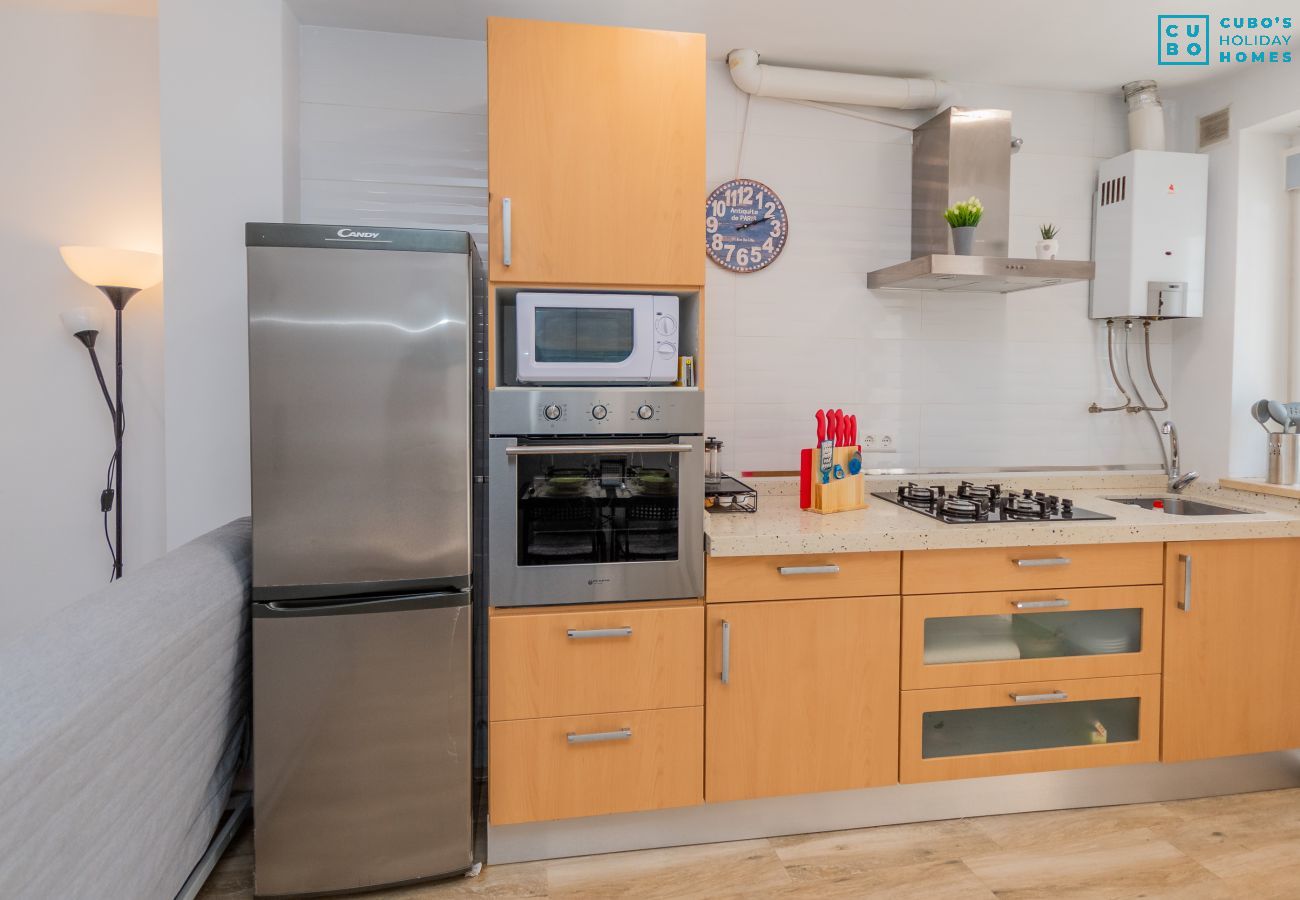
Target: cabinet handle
1040	604
1049	561
594	737
831	569
625	631
505	231
726	652
1185	604
1040	698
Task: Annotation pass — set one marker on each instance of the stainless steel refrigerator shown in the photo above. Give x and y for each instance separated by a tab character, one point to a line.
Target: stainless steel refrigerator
365	405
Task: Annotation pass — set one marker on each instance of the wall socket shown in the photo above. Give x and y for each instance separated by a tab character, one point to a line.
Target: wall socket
883	443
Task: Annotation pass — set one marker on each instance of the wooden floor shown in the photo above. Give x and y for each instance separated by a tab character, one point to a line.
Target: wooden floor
1240	846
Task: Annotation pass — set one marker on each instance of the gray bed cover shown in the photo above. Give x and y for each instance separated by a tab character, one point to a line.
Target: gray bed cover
122	720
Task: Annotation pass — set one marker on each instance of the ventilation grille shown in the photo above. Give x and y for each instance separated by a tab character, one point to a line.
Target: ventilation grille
1212	128
1114	191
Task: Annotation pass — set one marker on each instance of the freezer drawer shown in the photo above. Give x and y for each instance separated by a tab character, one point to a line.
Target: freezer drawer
361	742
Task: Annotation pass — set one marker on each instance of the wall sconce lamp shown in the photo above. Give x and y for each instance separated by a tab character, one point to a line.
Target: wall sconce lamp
120	274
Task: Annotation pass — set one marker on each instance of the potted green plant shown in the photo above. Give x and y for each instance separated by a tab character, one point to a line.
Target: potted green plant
963	217
1047	248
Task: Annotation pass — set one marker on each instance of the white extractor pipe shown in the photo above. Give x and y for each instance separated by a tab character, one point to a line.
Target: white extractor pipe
789	83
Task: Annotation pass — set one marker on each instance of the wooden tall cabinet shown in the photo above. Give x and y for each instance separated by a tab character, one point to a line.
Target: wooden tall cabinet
1232	648
596	148
810	697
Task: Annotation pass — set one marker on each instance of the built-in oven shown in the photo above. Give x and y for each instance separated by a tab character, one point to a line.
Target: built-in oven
595	495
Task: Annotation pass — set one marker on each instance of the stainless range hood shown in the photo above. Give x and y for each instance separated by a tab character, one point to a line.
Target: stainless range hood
955	155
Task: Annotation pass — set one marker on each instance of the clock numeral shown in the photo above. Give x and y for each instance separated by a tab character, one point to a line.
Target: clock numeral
770	209
711	224
767	245
761	195
730	250
776	228
716	243
742	257
720	207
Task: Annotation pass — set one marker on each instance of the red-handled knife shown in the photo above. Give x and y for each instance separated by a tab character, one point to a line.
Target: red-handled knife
821	426
853	431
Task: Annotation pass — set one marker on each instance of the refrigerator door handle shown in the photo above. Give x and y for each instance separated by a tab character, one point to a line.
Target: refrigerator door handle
288	609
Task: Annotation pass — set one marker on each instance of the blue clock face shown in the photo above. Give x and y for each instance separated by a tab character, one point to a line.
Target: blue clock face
745	225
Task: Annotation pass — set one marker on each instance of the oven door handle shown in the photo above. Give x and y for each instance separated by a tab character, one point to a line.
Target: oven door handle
550	449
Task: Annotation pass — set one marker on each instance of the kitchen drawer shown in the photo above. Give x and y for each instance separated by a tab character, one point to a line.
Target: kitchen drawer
1031	568
567	661
562	768
951	640
732	579
974	732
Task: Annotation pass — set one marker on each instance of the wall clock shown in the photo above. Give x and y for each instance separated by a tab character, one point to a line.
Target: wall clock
745	225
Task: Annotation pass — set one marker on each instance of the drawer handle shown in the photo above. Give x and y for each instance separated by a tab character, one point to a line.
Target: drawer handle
1040	698
1049	561
582	633
623	734
1040	604
726	652
831	569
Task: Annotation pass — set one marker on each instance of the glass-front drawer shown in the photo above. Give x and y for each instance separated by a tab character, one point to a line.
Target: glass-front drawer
951	640
1005	729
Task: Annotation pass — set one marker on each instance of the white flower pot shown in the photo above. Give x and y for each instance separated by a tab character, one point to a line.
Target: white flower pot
1047	249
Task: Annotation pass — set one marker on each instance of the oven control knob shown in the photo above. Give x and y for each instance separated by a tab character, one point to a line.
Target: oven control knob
551	412
599	412
645	411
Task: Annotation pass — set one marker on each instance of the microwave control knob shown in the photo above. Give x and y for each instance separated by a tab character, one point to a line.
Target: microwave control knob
666	325
645	411
551	412
599	412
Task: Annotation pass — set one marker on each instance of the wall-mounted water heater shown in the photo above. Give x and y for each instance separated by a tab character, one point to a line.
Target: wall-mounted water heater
1148	236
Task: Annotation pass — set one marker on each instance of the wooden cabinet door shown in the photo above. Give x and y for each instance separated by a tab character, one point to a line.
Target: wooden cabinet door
1232	648
596	138
810	697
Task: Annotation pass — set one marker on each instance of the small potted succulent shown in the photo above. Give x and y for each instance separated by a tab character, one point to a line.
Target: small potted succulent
1047	248
963	217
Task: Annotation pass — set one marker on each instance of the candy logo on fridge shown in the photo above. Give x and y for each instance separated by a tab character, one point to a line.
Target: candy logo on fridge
349	233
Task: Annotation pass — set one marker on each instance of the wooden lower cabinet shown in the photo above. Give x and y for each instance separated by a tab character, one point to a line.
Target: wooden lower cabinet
1232	648
573	766
574	660
801	696
975	732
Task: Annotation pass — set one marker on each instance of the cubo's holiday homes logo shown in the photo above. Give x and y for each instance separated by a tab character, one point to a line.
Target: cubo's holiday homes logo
1188	41
1183	40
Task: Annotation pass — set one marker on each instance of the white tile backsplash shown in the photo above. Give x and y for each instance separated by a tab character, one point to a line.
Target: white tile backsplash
954	380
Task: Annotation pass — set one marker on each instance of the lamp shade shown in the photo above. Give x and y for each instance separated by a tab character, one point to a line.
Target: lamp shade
82	319
108	266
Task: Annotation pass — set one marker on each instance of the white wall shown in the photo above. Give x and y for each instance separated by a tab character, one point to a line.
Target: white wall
954	380
80	153
404	146
229	115
1235	354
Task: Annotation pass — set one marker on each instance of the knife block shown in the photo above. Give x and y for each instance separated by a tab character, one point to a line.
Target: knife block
838	494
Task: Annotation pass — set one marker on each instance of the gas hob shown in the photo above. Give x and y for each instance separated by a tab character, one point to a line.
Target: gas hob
969	503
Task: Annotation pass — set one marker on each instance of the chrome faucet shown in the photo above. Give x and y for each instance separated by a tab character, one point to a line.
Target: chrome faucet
1176	481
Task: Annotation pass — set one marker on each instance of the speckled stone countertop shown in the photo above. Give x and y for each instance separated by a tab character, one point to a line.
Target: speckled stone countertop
781	527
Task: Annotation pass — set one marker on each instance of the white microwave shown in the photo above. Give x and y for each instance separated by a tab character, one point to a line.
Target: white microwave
596	338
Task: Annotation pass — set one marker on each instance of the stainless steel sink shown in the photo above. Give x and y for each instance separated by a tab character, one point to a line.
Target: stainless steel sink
1180	506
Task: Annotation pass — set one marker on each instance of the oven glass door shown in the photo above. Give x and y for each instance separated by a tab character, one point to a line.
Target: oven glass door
612	506
581	520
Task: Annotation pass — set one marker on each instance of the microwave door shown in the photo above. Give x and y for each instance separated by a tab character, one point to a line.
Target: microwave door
572	339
